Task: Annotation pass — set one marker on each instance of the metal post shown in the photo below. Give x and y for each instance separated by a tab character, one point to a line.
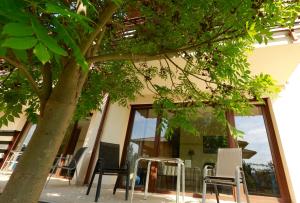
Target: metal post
237	180
178	182
183	181
133	179
147	180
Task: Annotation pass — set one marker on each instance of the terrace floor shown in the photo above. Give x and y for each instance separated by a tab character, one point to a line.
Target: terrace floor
59	191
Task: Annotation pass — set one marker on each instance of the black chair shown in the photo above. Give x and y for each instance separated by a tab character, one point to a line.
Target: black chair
108	164
69	169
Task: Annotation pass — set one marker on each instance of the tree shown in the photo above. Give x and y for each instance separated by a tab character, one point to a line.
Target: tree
58	59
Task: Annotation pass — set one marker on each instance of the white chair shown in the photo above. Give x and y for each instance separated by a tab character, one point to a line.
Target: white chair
228	172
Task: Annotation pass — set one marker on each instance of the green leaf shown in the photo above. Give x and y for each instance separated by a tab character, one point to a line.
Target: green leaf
21	55
10	118
259	38
17	29
64	11
19	43
5	121
64	35
118	2
2	51
48	41
41	53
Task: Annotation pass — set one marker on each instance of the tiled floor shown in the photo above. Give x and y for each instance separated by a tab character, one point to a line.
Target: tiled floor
59	191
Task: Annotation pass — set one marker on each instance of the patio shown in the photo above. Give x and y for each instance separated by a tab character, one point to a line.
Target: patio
59	191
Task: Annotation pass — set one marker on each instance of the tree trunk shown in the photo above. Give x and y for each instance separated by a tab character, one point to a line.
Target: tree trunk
27	181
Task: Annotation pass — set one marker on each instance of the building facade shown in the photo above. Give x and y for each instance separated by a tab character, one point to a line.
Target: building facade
270	145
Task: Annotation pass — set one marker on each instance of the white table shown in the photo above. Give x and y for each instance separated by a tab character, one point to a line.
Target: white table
180	171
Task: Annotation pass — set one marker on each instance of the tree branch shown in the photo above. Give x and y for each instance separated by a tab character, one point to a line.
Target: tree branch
160	55
103	19
170	73
96	48
187	72
131	57
7	76
147	81
25	72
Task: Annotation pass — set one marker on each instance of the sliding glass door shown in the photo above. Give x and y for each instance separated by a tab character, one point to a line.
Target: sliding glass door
145	138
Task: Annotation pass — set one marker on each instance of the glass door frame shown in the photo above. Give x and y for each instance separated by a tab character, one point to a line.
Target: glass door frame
275	152
127	140
285	196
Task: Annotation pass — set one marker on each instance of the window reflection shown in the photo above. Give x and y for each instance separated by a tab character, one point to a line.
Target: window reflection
142	141
257	158
201	150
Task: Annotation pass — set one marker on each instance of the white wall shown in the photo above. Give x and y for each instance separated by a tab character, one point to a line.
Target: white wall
18	124
286	108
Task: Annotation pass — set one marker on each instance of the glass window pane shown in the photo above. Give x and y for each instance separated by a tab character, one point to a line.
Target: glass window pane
196	151
142	140
257	158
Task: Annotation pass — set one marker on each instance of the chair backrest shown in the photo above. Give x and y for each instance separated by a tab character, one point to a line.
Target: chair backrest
228	160
110	154
75	159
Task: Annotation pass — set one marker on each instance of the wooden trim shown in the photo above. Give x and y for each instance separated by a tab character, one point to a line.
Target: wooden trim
230	118
97	141
127	139
72	140
157	137
154	165
275	152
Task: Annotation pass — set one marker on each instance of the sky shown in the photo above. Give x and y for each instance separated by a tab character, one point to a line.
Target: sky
256	136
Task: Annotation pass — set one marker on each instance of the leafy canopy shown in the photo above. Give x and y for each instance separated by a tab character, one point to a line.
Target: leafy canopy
112	41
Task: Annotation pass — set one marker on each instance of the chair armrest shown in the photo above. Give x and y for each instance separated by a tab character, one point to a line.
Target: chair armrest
58	161
208	168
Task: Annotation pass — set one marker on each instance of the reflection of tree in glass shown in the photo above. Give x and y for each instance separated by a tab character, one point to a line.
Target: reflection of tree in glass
261	179
132	155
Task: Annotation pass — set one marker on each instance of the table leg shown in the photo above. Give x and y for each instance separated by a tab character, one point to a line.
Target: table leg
178	182
183	182
133	179
147	180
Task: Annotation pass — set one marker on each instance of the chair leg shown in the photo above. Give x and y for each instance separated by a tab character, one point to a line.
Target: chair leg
98	187
91	182
204	191
245	188
238	193
237	183
127	185
116	184
217	193
69	175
